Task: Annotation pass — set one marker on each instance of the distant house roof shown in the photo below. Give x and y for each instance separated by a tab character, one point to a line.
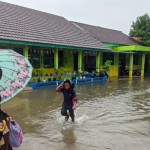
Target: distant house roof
107	35
28	25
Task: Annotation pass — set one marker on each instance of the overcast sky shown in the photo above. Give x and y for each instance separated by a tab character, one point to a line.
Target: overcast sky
112	14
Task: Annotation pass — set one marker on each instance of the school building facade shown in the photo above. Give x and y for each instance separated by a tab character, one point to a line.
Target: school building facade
55	45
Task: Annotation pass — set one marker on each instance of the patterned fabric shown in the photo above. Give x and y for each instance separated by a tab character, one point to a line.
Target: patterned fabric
15	73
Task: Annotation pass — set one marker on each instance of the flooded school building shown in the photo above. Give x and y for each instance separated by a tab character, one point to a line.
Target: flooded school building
56	46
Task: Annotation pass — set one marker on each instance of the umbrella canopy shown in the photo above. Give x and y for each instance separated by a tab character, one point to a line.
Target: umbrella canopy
15	73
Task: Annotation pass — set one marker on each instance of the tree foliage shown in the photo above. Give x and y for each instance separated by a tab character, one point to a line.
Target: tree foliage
107	65
141	29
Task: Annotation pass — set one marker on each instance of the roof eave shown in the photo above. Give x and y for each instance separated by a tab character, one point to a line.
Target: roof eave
131	48
24	43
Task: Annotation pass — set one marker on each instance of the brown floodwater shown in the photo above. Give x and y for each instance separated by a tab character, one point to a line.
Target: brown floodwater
110	116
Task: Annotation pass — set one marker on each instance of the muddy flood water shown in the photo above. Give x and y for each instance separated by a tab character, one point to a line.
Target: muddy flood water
110	116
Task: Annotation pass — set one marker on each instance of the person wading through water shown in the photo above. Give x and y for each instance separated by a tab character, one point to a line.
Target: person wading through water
70	99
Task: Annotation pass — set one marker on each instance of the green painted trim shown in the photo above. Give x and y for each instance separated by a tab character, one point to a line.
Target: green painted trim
101	59
56	59
25	51
131	62
131	48
49	45
41	60
80	54
143	61
131	66
111	44
116	59
98	62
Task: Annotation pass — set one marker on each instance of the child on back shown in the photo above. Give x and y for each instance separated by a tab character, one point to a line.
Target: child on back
69	101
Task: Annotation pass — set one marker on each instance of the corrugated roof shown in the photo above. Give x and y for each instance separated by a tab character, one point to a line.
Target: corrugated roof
107	35
28	25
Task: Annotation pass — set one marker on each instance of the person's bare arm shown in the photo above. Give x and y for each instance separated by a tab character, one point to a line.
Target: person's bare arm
58	89
74	105
74	100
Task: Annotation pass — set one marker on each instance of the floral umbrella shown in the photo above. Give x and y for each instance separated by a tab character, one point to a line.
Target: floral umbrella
15	73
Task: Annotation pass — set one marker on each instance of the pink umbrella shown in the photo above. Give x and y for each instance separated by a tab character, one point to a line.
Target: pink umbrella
15	73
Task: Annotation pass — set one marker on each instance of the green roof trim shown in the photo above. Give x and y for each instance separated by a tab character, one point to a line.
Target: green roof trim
49	45
131	48
111	44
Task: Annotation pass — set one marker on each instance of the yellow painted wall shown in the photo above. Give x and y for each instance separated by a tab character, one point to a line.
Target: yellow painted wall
113	71
51	71
135	67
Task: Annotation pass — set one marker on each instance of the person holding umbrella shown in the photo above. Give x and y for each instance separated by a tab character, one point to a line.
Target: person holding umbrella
4	131
15	73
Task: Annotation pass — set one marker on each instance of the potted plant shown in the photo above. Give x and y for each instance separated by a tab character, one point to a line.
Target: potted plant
80	72
106	67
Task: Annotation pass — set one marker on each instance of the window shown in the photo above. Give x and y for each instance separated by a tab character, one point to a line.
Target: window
48	59
34	57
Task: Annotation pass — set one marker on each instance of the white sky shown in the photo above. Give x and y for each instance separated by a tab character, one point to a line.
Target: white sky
112	14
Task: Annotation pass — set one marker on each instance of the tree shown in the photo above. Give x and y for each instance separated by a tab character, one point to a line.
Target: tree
141	29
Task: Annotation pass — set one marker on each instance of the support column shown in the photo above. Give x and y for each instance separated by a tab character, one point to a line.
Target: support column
131	66
41	59
116	63
56	59
116	59
143	64
101	59
97	61
80	60
25	51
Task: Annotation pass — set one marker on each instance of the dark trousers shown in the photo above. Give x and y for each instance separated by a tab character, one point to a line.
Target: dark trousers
65	113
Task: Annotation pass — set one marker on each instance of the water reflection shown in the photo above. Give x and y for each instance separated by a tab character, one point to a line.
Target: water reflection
114	115
68	137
